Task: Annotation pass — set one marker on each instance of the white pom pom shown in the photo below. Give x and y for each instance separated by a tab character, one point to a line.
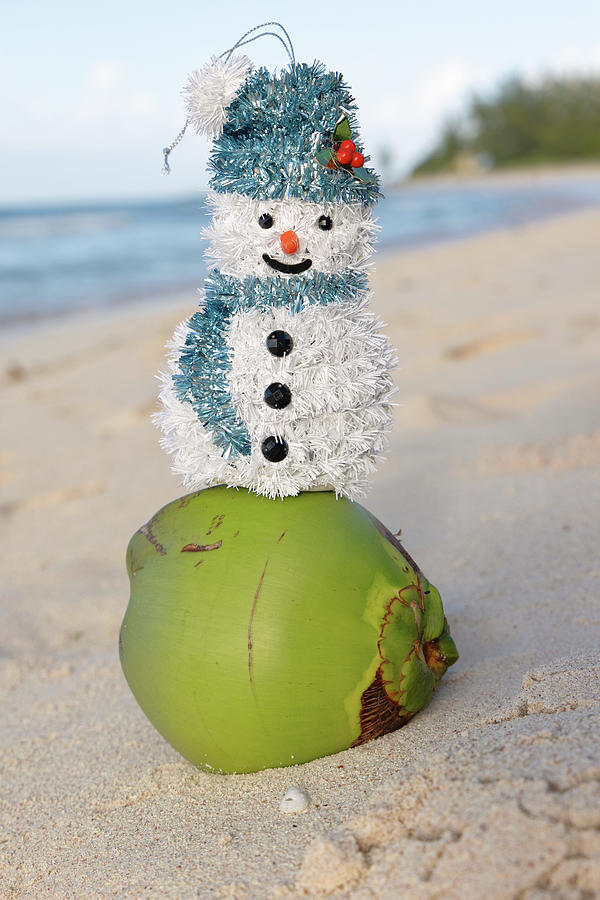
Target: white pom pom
211	89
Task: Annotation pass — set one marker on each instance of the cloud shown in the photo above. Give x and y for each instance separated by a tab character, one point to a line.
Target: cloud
142	104
106	104
442	91
105	76
110	101
572	60
445	88
410	120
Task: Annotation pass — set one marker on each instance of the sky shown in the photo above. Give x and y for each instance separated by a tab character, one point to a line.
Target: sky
91	92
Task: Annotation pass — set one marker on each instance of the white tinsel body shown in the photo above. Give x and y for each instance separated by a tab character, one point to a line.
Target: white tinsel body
335	425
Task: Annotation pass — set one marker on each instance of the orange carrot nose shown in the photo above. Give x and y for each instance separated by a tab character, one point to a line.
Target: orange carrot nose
289	242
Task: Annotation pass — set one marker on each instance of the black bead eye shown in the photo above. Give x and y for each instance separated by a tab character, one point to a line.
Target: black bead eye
324	223
266	220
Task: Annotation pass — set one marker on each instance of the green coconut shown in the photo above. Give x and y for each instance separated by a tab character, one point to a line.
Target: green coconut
264	633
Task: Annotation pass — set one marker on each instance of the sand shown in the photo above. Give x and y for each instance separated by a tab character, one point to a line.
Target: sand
493	476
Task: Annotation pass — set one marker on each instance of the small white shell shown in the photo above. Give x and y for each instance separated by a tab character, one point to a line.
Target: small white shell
294	801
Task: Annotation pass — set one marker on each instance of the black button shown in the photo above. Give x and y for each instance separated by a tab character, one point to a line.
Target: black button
266	220
324	223
279	343
277	395
274	449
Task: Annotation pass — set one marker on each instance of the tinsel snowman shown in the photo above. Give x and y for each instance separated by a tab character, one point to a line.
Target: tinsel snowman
273	619
281	382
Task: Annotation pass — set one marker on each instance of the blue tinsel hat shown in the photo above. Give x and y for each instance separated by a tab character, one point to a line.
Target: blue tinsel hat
277	135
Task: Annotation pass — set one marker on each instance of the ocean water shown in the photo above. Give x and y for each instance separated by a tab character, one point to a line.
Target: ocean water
59	258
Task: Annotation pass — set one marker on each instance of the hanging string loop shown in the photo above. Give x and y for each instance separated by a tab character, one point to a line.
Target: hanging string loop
241	42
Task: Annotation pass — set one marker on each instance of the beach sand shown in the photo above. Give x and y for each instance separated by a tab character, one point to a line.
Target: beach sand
493	475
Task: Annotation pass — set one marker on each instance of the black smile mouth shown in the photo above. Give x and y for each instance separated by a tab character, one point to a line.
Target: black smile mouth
288	268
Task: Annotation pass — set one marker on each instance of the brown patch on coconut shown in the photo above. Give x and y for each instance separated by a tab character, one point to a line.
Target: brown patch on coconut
434	658
201	548
379	714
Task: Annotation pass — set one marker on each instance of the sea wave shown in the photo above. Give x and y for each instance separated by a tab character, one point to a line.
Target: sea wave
33	227
66	257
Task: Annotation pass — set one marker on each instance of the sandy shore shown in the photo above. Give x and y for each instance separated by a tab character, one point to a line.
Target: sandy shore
494	477
513	175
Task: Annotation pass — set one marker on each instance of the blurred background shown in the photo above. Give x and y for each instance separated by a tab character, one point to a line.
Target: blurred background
476	115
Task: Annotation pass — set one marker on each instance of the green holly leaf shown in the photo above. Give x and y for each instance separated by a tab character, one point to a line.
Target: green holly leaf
364	175
324	157
342	131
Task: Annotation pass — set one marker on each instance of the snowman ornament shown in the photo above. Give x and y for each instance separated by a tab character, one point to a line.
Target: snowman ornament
281	382
272	619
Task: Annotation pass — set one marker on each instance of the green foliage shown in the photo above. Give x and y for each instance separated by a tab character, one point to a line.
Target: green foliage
556	120
324	156
342	131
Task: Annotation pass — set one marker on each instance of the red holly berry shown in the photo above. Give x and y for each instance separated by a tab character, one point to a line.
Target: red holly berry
348	145
343	156
358	160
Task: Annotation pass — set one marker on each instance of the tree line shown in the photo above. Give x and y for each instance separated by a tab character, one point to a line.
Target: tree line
523	123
